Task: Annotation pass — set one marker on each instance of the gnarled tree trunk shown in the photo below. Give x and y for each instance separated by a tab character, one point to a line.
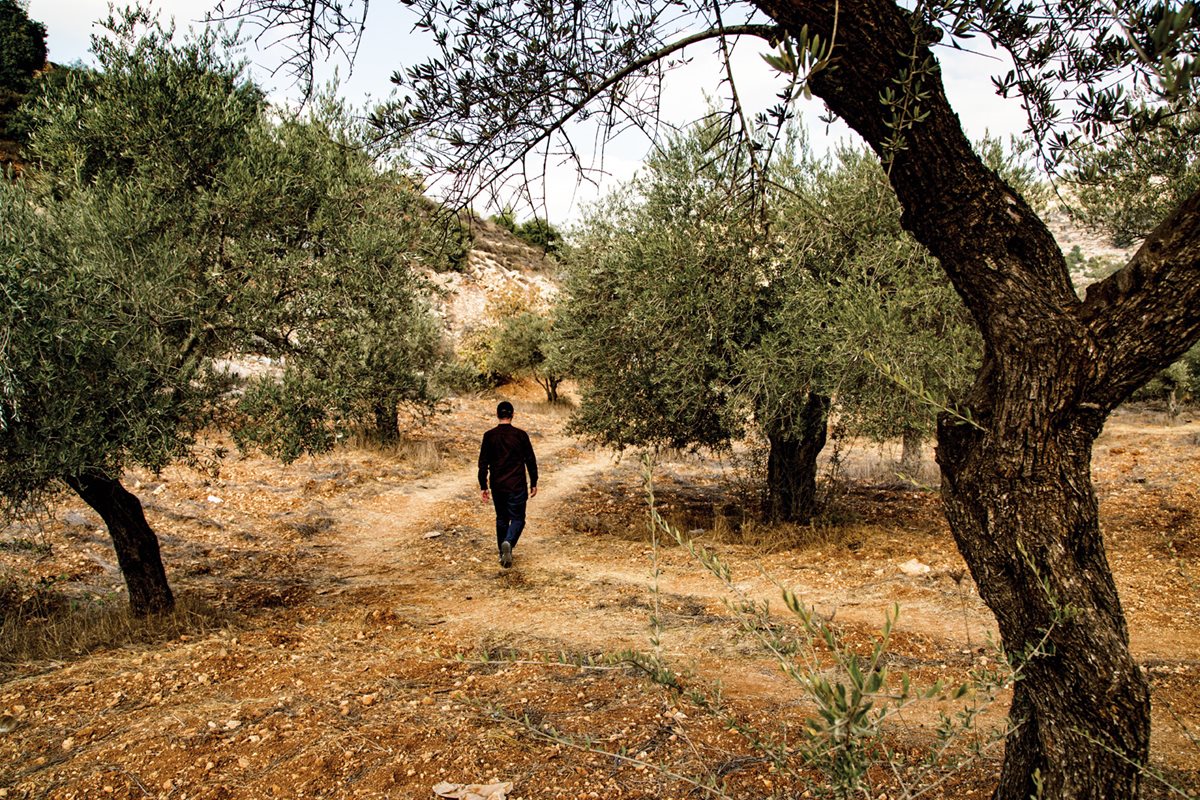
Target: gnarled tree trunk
910	452
549	384
792	463
136	545
1021	507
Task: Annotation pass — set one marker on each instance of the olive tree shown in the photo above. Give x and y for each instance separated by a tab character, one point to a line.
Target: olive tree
864	304
352	315
746	329
656	286
167	223
525	344
752	327
1015	454
1125	186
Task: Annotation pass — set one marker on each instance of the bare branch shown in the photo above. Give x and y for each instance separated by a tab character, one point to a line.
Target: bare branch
317	30
474	159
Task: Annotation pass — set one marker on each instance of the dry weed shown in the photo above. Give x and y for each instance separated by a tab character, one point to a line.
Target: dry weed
559	411
423	455
774	537
40	622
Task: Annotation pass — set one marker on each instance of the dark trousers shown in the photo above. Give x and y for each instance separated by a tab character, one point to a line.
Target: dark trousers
510	515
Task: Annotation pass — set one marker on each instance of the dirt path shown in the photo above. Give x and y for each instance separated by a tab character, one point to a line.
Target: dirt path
429	546
392	528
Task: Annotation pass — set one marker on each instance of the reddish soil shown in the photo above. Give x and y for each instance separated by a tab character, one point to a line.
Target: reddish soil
351	635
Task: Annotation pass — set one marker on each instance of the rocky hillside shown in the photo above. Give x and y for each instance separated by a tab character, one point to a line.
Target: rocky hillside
498	262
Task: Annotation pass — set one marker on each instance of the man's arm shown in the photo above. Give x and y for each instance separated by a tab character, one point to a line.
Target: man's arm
531	466
483	467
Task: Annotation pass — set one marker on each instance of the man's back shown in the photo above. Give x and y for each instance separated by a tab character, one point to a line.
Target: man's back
506	454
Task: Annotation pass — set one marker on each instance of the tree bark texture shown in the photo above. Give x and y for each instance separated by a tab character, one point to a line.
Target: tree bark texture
792	463
387	423
137	547
1016	457
911	442
1024	516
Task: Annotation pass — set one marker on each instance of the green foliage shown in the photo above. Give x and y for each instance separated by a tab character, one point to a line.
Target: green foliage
517	339
458	374
134	121
104	264
1015	163
452	236
869	310
685	320
658	303
523	345
518	347
168	224
1174	383
536	232
1192	363
284	417
472	357
22	47
540	233
353	323
1093	267
507	219
51	81
1127	185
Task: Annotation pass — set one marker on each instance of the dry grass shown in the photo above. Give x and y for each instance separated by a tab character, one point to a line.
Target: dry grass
776	537
557	412
423	455
40	622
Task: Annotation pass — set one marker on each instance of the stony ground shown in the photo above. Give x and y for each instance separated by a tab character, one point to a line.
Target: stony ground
346	631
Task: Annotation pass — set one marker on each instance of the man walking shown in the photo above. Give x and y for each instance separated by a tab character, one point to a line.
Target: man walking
507	453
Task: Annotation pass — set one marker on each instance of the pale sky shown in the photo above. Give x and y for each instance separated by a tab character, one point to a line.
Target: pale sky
389	44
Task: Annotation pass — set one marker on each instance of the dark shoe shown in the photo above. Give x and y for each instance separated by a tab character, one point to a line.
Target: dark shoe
505	554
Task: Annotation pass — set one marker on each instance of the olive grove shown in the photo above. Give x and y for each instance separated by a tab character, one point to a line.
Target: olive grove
1015	454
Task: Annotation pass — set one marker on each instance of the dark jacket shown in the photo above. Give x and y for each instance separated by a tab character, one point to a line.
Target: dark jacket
506	453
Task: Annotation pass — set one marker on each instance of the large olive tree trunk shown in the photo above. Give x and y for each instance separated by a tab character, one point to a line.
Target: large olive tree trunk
136	545
1024	516
792	463
1015	457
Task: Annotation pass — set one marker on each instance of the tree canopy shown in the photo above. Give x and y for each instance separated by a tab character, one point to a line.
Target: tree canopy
689	324
22	47
168	224
22	54
1126	185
